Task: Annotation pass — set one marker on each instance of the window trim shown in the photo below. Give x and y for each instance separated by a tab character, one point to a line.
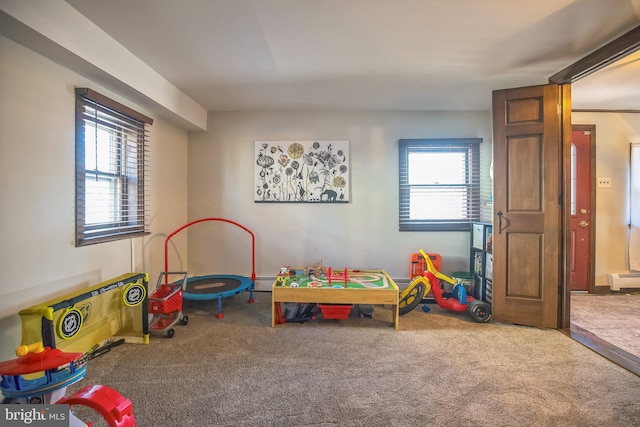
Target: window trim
87	234
405	146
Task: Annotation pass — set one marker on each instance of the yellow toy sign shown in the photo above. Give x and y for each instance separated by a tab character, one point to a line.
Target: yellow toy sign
78	321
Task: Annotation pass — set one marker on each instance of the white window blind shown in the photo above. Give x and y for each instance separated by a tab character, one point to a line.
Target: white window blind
439	183
111	169
635	184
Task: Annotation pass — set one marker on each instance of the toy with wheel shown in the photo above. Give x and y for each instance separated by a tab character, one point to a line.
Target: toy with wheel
165	304
50	372
412	295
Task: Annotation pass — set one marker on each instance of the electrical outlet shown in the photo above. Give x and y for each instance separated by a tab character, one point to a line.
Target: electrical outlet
604	182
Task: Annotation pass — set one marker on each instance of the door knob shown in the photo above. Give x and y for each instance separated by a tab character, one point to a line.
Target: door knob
583	223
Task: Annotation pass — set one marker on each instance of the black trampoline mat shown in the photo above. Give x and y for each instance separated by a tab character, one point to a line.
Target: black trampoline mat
212	285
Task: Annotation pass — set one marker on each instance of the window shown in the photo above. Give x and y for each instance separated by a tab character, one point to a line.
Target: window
439	184
635	184
634	204
111	169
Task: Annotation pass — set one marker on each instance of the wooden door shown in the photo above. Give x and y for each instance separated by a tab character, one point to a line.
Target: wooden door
528	240
581	208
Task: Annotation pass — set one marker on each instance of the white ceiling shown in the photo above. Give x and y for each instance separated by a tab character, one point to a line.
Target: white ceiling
370	54
616	87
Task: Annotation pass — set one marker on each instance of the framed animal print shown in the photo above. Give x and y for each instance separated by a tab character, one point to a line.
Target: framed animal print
302	172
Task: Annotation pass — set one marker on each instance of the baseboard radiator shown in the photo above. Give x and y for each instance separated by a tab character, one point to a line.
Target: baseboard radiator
619	281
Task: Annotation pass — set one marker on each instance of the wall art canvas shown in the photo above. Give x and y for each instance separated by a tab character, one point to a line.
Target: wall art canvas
302	171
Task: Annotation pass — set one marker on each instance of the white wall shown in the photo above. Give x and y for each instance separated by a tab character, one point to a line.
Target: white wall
363	233
614	132
38	257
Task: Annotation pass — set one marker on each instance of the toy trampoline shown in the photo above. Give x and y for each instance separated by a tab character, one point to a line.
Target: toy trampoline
216	286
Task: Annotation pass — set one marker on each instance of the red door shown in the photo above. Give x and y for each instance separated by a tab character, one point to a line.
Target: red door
581	229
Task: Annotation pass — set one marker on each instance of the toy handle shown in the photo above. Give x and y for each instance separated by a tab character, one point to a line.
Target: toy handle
23	350
432	269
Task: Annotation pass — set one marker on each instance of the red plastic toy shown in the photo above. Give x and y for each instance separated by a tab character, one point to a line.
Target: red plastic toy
114	408
165	304
60	370
410	297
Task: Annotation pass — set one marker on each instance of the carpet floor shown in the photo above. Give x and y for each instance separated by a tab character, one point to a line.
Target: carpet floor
439	369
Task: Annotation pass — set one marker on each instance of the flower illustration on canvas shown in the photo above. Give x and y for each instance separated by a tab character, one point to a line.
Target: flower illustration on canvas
302	171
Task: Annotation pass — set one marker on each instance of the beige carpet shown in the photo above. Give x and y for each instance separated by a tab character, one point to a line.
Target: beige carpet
440	369
614	318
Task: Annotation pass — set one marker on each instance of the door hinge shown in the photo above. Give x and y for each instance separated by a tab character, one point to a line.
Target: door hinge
559	109
560	199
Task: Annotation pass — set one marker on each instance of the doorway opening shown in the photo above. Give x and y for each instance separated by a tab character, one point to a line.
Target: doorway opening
608	54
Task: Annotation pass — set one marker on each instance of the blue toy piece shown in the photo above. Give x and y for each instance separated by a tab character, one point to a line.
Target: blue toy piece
460	293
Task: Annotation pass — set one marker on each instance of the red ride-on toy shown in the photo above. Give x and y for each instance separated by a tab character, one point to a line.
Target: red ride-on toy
412	295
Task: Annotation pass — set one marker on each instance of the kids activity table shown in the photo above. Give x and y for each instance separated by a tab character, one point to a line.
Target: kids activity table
360	287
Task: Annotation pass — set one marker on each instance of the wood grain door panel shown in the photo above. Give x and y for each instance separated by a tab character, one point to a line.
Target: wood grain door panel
528	184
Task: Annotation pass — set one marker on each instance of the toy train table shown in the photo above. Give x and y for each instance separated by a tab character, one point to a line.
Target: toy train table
373	287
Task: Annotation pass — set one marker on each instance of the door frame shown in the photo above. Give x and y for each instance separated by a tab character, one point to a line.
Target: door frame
592	207
622	46
611	52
